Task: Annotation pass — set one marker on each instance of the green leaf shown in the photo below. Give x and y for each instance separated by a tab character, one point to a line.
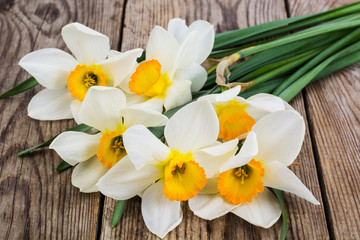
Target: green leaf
118	211
157	131
25	85
277	54
339	63
284	225
62	166
79	128
296	62
308	33
320	57
236	37
290	92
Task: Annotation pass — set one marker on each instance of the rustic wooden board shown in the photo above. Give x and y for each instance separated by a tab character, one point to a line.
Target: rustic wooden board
305	220
333	107
37	202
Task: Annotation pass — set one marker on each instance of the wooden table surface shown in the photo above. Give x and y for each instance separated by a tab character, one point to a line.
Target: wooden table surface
38	203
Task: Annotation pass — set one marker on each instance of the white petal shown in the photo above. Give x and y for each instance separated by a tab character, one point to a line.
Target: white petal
289	107
143	147
87	45
210	207
247	152
280	177
74	147
163	47
188	52
86	174
263	211
177	27
155	104
177	94
120	66
124	84
50	66
206	36
75	109
160	214
195	73
123	181
113	53
136	115
51	104
192	127
222	97
280	136
101	107
132	99
212	158
262	104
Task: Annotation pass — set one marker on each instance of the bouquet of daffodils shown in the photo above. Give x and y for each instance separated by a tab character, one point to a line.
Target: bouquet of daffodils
162	125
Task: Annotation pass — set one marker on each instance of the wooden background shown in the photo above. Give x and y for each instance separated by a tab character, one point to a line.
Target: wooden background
38	203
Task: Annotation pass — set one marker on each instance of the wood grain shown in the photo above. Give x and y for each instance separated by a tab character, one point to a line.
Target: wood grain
36	202
306	221
333	104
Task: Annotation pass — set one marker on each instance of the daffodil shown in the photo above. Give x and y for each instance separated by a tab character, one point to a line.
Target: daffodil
241	185
166	175
238	115
172	67
104	109
67	79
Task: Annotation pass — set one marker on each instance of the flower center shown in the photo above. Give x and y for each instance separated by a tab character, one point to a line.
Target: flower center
90	79
233	119
183	177
240	185
83	77
112	148
149	81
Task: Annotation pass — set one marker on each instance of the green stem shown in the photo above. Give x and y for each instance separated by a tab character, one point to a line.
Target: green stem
301	35
237	37
316	60
283	69
297	86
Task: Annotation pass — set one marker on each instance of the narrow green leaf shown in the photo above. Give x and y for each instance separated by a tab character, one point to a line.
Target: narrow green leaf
339	63
266	87
320	57
290	92
301	59
25	85
284	225
277	54
118	211
79	128
236	37
157	131
308	33
62	166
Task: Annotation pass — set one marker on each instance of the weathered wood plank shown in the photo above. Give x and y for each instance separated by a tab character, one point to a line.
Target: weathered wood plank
35	201
306	221
333	106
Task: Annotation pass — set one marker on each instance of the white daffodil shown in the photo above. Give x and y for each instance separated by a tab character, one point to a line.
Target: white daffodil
104	109
67	79
172	67
165	176
237	115
272	145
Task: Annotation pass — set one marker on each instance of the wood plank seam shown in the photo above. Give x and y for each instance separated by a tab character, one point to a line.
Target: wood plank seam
314	150
102	197
319	170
